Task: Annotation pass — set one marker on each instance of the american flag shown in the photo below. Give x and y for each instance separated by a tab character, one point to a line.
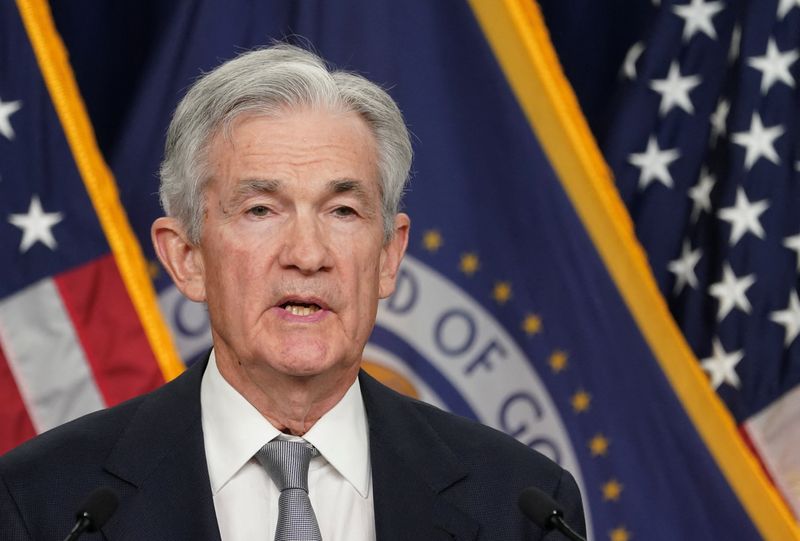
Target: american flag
704	147
71	337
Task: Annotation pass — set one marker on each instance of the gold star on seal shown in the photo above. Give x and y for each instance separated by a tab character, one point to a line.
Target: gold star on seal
580	401
619	534
598	445
501	292
612	490
557	361
532	324
469	263
432	240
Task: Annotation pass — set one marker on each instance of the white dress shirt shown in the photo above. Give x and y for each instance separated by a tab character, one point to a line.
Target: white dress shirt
246	499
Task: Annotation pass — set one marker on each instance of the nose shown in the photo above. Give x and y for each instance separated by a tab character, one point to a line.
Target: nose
305	246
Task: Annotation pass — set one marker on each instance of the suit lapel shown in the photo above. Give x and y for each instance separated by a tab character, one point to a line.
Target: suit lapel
412	472
162	455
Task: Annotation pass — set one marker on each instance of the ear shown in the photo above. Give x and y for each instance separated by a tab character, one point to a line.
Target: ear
392	255
182	259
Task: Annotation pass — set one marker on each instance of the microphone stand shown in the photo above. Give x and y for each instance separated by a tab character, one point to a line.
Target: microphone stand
564	528
80	526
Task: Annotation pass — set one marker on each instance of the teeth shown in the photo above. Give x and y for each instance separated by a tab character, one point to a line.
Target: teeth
301	310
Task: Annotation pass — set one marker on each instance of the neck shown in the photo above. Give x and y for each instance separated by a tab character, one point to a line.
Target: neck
292	404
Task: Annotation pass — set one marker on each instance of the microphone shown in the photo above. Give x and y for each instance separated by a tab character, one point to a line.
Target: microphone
545	512
94	512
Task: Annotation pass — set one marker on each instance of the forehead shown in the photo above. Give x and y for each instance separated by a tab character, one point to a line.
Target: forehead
310	146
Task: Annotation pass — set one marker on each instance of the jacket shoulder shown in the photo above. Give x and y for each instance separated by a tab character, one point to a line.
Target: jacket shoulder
121	448
84	439
484	447
492	467
480	448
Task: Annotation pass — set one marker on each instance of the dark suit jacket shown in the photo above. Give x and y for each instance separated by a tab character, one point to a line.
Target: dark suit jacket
435	476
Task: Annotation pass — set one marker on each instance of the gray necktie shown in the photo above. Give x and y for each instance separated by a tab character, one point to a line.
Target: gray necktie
286	463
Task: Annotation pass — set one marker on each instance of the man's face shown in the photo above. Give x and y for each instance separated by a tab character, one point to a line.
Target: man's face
292	255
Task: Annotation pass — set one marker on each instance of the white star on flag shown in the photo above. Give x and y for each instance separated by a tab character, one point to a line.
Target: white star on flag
731	292
786	6
758	141
700	194
8	108
793	243
653	164
675	89
683	267
774	66
719	119
697	16
36	225
789	318
744	216
631	57
721	366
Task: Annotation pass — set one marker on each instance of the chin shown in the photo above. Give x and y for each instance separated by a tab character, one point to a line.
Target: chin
308	360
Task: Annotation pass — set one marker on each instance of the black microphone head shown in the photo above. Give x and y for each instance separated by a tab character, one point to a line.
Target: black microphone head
98	508
539	507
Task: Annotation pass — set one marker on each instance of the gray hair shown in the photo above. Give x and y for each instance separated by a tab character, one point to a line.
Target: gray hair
271	82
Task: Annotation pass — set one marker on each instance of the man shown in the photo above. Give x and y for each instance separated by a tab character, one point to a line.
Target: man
281	183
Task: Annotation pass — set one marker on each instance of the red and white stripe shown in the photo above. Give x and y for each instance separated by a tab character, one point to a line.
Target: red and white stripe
69	345
773	435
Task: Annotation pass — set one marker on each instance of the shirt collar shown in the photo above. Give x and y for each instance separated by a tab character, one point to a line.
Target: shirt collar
233	431
341	437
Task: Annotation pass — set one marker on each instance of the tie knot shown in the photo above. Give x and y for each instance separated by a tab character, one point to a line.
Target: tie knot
287	462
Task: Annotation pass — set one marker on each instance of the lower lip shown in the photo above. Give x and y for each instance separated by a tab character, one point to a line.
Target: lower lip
310	318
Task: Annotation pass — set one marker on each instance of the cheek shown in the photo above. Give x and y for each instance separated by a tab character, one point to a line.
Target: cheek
231	279
367	289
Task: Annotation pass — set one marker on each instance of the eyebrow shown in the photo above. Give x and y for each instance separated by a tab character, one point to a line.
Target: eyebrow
346	185
249	187
253	186
355	187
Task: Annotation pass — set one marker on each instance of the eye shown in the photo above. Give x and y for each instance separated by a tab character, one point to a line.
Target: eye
259	210
344	212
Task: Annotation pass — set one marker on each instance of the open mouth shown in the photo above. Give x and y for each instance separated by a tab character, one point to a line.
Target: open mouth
300	309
